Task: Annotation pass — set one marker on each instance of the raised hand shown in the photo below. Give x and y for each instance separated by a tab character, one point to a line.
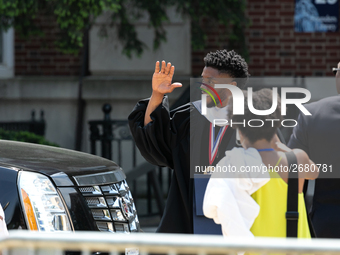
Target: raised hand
161	84
162	79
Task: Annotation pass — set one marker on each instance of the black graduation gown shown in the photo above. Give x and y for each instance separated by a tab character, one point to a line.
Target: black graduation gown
165	141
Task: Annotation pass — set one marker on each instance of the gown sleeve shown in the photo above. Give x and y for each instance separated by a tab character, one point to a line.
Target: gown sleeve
157	140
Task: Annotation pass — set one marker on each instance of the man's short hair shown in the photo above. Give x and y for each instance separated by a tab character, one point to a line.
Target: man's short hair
262	100
229	62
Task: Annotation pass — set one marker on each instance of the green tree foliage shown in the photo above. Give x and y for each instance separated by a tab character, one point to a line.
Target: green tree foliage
24	136
226	15
74	16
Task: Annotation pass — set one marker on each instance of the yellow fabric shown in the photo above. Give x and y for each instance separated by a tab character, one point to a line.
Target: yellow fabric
272	199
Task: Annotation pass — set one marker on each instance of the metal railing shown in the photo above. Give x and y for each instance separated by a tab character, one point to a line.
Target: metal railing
24	242
35	126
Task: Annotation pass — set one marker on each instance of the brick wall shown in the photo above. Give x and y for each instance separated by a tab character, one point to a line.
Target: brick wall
38	56
275	49
216	40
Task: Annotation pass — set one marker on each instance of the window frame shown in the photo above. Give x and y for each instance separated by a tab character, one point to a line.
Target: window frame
7	66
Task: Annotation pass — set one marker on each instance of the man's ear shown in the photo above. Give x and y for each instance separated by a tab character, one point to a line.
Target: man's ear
238	138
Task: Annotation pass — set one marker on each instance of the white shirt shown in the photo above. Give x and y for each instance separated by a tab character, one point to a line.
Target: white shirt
228	200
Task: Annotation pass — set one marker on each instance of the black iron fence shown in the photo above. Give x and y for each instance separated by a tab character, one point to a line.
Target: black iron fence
107	138
35	126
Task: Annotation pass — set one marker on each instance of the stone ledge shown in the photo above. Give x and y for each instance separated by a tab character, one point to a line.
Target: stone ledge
131	87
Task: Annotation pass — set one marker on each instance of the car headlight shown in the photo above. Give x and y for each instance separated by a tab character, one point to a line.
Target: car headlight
42	205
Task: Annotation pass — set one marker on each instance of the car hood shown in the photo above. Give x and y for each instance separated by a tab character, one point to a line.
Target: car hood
53	161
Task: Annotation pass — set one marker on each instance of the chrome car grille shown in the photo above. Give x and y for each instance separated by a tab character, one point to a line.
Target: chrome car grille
112	207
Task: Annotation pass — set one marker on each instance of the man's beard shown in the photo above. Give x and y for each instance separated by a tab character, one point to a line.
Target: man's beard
218	104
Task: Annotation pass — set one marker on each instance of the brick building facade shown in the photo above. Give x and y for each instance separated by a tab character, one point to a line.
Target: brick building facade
38	56
274	48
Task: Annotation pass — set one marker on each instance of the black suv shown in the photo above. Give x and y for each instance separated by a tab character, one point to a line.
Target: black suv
51	189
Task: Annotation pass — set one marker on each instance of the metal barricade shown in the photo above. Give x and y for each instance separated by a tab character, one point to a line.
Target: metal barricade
32	243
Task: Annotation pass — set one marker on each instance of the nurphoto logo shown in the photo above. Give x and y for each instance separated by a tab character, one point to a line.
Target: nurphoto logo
238	104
